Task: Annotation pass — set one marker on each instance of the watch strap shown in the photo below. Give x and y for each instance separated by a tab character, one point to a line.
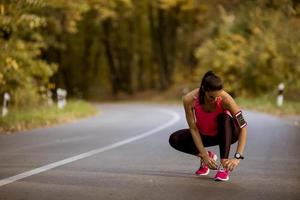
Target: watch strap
238	156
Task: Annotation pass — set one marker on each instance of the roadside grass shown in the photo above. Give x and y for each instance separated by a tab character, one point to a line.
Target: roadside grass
267	104
41	116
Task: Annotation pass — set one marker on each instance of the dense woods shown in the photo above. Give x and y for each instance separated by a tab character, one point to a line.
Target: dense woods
100	48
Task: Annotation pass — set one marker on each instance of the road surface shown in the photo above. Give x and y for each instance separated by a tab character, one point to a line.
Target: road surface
123	153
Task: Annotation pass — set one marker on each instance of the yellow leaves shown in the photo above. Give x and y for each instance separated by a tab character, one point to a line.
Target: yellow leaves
107	13
231	77
1	78
33	21
266	53
11	63
256	30
226	54
226	17
126	2
2	9
51	86
167	4
20	45
238	38
112	9
71	26
188	5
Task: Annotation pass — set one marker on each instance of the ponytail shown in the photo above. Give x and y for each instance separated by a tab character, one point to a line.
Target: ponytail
210	82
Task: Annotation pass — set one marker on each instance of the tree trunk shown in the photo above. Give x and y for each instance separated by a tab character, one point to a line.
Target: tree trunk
115	80
163	34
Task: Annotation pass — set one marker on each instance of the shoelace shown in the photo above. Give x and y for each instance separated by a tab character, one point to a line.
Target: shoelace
202	164
221	168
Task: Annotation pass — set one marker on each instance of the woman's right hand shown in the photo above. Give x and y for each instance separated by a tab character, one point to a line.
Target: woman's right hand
210	162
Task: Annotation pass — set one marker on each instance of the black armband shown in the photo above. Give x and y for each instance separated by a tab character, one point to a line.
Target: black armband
240	119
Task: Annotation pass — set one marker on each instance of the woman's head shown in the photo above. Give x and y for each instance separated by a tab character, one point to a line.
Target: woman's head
211	86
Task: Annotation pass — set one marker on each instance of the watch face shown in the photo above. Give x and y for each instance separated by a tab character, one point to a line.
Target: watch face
237	155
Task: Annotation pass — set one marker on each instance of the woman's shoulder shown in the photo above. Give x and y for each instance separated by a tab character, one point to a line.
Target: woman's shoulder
227	99
192	95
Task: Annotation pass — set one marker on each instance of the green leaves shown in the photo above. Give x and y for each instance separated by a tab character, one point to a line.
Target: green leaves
256	57
21	44
97	47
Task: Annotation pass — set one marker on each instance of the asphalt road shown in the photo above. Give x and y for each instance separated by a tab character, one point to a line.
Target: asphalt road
123	153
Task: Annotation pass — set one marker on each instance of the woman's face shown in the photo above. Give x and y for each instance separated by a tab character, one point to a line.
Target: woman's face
212	96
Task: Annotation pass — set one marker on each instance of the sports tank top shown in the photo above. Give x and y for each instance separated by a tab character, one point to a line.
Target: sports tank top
206	122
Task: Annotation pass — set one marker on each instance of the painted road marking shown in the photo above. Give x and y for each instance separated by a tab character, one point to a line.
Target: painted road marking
12	179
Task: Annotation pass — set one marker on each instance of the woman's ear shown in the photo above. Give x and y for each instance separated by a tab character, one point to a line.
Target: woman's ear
218	98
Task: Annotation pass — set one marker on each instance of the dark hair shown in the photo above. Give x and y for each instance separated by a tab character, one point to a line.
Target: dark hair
210	82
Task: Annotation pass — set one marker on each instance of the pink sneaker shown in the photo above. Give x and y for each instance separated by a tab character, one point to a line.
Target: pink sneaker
204	170
222	174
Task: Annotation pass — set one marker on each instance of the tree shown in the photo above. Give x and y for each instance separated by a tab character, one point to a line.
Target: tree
252	51
22	72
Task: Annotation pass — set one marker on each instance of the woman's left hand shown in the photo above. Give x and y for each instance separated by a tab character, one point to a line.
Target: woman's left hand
231	164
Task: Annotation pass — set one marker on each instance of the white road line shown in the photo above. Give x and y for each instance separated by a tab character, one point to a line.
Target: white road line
12	179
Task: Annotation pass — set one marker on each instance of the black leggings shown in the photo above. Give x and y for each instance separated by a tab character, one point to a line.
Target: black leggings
228	134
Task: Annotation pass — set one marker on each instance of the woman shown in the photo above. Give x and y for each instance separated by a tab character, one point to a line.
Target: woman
214	118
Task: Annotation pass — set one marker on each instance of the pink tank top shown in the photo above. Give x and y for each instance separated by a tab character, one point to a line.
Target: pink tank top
206	122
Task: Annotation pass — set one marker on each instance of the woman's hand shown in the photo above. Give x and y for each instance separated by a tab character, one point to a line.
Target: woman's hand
231	164
211	163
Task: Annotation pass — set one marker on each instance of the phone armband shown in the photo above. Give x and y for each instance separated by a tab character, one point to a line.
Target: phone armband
240	119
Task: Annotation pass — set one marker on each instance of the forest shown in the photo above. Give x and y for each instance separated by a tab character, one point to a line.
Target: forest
97	49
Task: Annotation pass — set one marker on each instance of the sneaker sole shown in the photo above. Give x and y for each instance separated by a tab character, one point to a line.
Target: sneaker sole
221	179
203	174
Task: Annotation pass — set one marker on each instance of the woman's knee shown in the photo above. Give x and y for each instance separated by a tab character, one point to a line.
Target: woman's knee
174	139
224	118
234	140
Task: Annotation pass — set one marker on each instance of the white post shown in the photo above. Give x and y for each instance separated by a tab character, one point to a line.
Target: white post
5	104
64	98
49	98
61	98
280	94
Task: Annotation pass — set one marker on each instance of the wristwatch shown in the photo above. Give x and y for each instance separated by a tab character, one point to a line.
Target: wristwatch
238	156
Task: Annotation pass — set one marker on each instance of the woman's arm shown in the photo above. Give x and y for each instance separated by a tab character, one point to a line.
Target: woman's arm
188	102
230	104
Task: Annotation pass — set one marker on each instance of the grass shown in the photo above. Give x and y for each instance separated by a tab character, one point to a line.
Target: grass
41	116
267	104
